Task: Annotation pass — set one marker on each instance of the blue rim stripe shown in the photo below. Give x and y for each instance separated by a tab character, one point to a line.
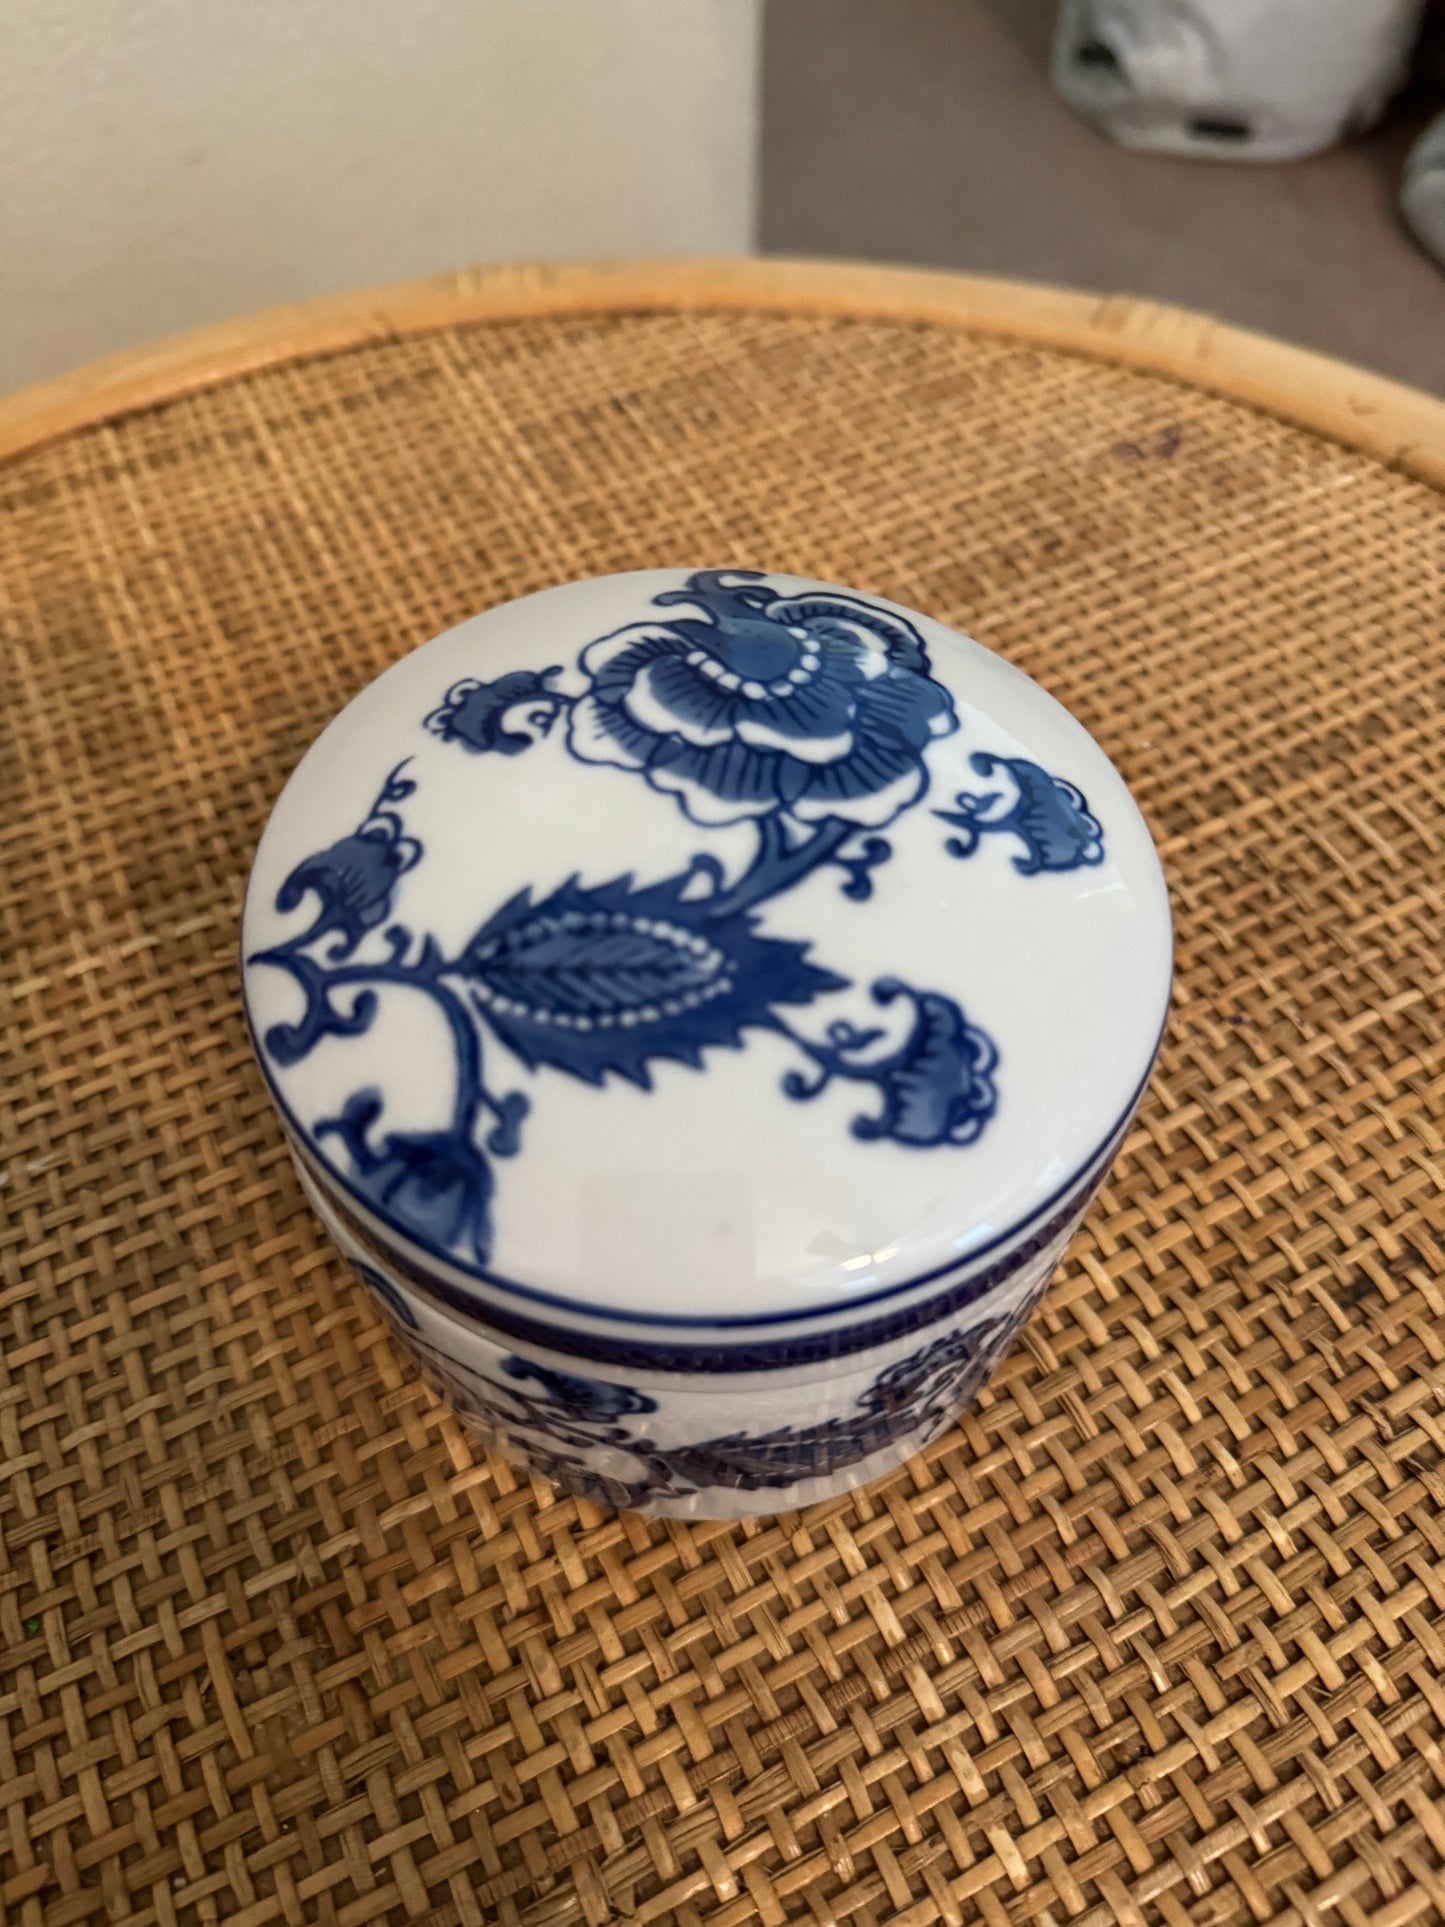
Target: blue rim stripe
779	1354
334	1181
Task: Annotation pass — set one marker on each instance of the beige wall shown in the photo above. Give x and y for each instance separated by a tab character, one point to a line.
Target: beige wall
164	163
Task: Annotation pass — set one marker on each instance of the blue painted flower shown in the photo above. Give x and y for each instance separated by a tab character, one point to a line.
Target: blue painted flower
817	705
435	1184
505	716
937	1085
937	1088
354	878
1048	815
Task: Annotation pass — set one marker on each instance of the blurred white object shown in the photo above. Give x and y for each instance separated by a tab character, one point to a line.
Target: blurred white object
1423	195
1259	80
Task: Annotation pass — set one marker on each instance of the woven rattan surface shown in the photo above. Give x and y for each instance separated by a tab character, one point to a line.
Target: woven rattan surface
1158	1632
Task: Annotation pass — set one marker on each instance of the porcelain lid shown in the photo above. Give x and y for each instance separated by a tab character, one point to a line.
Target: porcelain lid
705	948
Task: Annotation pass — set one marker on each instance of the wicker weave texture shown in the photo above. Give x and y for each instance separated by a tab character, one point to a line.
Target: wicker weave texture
1158	1632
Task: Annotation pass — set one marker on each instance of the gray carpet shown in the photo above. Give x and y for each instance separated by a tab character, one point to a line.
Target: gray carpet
925	131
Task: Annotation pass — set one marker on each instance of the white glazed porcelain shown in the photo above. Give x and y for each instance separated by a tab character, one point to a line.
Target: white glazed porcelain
701	1005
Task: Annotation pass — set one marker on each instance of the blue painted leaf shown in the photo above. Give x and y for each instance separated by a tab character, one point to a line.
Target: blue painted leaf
613	977
747	1462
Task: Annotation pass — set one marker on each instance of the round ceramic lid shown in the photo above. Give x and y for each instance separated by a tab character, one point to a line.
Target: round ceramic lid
708	946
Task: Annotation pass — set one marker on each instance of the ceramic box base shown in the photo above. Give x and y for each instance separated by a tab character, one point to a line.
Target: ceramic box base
724	1447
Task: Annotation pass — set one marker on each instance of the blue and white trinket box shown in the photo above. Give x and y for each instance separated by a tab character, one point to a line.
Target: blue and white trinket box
701	1007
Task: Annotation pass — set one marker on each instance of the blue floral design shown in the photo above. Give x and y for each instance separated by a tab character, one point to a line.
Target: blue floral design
577	1398
816	705
568	1417
808	714
505	716
946	1374
937	1086
354	880
1048	815
435	1184
610	979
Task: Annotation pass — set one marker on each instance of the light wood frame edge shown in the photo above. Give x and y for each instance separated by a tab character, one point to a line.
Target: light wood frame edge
1397	425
